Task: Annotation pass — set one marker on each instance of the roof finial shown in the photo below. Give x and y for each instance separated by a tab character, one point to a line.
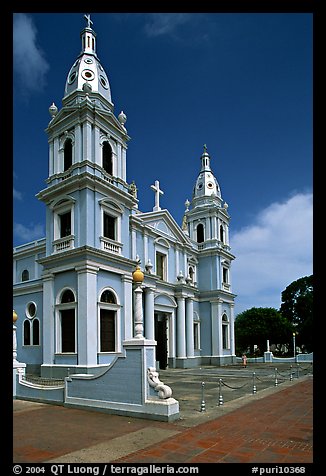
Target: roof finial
205	148
89	21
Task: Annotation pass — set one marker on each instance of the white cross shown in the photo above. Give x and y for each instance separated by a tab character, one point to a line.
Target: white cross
158	192
89	21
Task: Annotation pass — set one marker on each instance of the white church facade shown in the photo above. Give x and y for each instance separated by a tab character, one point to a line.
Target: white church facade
80	306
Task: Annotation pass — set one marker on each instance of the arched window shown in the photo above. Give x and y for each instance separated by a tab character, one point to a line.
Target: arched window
108	297
67	154
221	233
225	332
200	233
67	296
27	333
191	273
108	321
67	335
107	158
25	275
36	332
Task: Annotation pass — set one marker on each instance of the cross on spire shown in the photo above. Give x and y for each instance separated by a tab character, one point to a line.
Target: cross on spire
89	21
158	192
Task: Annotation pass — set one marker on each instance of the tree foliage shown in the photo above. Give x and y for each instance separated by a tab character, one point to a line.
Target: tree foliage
257	325
297	308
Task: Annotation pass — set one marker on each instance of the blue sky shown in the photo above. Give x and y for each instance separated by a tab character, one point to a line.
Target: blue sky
239	82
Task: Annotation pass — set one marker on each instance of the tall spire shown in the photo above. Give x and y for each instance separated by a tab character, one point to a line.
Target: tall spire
88	36
87	74
205	160
206	184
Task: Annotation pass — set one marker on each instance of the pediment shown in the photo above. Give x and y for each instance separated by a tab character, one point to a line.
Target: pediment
164	225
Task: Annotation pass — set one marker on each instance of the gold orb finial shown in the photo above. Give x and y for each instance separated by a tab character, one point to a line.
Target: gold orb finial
138	275
14	315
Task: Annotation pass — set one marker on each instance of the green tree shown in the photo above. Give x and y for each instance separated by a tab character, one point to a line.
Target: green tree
257	325
297	308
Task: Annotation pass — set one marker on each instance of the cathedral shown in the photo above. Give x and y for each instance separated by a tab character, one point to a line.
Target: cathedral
108	278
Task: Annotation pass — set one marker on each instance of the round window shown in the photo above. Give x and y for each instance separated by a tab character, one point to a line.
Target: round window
72	77
31	310
88	74
210	185
104	82
88	60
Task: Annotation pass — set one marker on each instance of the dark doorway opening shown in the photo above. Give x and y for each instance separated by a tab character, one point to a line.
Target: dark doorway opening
162	341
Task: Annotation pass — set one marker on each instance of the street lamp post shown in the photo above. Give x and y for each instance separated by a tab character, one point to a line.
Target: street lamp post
294	346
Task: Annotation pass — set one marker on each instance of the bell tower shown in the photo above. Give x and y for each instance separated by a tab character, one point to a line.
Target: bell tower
207	225
87	193
208	219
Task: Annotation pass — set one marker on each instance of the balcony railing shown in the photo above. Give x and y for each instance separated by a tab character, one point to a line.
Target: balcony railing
111	246
63	244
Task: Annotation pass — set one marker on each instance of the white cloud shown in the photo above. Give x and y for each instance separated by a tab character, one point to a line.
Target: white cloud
272	252
17	195
26	234
165	23
30	66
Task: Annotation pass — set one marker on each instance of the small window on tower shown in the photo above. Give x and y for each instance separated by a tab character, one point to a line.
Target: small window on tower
65	224
25	275
225	276
107	158
109	228
200	233
67	154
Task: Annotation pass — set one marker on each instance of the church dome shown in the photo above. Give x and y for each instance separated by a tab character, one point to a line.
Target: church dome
206	183
87	73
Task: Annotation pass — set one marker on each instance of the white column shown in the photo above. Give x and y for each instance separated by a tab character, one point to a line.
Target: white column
51	165
227	242
190	327
87	141
87	344
56	157
123	163
138	313
232	340
219	324
181	337
14	271
214	228
177	269
78	144
97	147
48	319
214	328
133	244
127	307
149	314
145	250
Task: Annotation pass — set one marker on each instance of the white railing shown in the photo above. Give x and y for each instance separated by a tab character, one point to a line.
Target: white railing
63	244
111	246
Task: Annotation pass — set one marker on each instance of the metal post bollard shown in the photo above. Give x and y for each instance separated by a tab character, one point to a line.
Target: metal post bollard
298	368
220	396
291	373
254	388
203	405
276	382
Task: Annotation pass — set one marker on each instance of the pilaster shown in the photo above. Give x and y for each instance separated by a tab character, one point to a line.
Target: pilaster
87	315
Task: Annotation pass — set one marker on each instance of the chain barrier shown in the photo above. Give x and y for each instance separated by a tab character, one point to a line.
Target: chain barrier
275	377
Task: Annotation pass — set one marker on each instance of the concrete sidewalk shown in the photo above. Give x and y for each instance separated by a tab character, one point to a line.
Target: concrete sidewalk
273	425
